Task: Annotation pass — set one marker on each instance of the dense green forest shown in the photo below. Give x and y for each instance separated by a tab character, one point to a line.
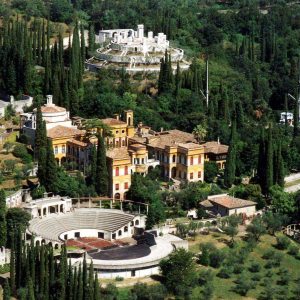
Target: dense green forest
253	60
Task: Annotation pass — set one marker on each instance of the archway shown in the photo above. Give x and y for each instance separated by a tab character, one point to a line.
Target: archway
173	172
117	196
137	222
120	233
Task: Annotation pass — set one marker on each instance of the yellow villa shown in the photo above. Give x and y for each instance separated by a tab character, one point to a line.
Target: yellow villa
129	150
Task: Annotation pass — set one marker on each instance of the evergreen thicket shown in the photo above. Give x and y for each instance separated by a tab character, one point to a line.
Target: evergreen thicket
39	273
3	228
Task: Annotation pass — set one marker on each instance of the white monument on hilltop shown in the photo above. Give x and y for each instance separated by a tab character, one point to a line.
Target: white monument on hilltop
134	50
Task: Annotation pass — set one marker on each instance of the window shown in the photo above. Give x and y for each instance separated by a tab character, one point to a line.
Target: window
77	234
191	161
191	175
117	186
174	159
199	159
55	149
117	171
123	131
117	131
199	174
101	235
126	170
126	185
63	149
120	232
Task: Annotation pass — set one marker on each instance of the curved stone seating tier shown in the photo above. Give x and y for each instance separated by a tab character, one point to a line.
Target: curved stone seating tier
52	226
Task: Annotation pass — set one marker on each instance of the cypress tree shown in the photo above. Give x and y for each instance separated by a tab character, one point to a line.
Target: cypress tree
101	169
96	288
230	166
90	295
296	119
42	274
3	228
45	292
269	161
6	290
12	265
40	135
93	165
84	278
70	287
30	290
75	285
278	166
91	38
80	286
18	258
51	168
261	166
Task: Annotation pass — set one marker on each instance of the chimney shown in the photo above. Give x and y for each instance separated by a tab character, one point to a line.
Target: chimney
116	116
218	140
161	129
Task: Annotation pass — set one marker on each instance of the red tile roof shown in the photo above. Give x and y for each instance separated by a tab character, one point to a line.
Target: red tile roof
112	121
215	147
230	202
63	131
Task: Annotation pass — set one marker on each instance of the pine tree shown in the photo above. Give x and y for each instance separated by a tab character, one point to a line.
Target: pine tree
230	167
101	169
3	229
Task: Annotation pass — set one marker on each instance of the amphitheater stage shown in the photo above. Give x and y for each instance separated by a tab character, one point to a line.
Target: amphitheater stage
123	253
89	243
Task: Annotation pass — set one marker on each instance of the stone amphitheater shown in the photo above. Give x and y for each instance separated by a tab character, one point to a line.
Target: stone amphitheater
115	241
88	222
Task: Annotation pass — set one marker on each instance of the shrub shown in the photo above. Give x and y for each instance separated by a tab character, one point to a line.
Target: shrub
254	267
256	277
238	269
284	276
293	250
283	242
216	257
269	254
243	284
204	257
205	276
20	151
119	278
225	272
